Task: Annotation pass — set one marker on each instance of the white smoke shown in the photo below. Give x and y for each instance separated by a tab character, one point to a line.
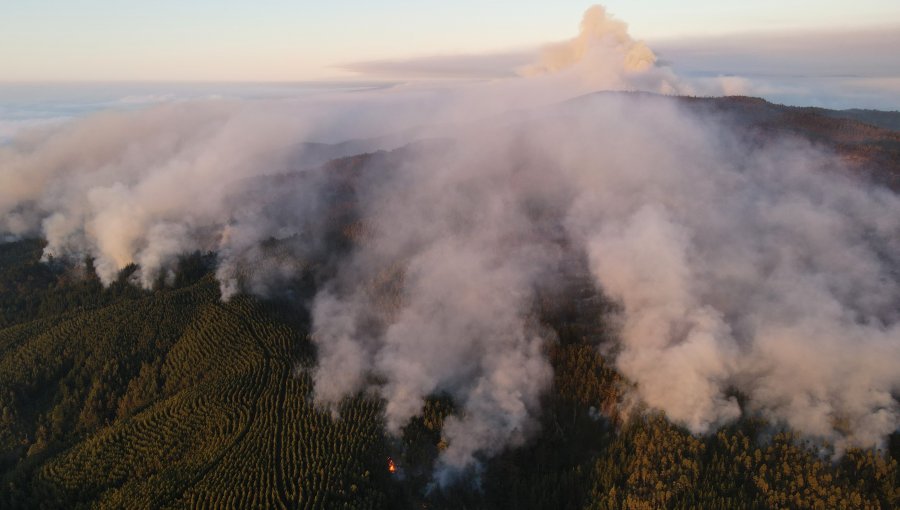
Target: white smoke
752	268
764	271
138	187
460	325
605	57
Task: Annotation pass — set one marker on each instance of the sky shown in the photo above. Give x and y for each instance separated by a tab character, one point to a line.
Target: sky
282	40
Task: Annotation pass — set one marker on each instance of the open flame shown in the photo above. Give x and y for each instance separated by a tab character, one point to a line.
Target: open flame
392	468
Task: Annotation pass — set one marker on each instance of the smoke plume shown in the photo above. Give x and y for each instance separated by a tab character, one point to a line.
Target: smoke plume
604	56
743	268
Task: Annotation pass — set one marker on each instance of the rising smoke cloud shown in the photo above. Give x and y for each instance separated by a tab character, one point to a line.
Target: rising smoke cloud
753	268
605	56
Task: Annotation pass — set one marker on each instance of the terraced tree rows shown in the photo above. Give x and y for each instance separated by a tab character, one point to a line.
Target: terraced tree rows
175	399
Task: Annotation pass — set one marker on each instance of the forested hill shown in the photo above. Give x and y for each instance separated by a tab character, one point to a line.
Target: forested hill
867	141
120	397
125	398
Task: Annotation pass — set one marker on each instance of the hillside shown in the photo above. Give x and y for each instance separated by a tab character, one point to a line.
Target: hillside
120	397
173	398
867	141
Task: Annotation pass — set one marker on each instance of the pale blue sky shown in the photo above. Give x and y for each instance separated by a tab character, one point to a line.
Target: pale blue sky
299	40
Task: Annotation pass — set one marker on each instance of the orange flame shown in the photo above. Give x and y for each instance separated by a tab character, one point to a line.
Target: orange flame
392	468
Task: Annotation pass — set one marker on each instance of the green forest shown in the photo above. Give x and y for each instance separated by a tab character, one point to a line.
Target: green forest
119	397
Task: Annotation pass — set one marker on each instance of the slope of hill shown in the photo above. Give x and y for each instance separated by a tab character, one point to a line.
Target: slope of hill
172	398
883	119
867	141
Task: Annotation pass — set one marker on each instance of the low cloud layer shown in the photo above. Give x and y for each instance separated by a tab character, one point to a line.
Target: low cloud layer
849	68
470	66
756	269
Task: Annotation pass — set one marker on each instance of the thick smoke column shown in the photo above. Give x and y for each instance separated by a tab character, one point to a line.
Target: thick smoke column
453	227
762	271
604	56
752	268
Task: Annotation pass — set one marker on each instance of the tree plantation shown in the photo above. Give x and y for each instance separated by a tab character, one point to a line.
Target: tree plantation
171	398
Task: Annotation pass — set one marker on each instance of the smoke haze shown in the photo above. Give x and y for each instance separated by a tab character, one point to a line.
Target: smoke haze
751	268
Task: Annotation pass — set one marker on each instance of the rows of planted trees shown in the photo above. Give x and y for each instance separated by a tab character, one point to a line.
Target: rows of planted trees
171	398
